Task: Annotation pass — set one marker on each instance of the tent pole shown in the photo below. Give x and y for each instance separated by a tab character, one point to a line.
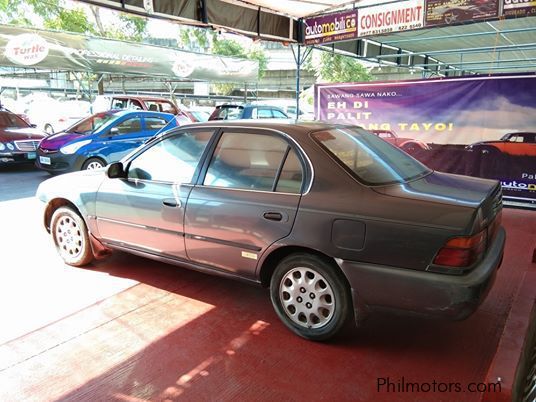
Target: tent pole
298	70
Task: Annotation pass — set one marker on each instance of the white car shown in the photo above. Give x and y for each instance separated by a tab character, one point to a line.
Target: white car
53	116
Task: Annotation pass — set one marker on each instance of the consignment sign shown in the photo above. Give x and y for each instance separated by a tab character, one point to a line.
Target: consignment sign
479	126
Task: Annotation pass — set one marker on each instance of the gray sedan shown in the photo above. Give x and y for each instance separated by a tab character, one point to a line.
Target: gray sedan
336	221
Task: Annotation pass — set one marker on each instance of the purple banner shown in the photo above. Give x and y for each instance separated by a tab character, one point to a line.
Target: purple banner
331	28
446	12
478	126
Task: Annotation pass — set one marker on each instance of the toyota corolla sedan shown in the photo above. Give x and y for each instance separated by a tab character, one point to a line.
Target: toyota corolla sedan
334	220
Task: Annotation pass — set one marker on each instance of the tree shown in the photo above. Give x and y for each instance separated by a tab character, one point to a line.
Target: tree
330	67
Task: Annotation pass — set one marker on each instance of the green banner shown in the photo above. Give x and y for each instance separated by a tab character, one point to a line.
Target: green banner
32	48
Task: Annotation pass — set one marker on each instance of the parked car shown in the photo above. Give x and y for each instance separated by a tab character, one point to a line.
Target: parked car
100	139
407	144
140	102
18	139
521	144
334	220
53	116
248	111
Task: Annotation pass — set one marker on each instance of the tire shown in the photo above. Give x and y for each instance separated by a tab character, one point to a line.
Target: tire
93	163
49	129
71	238
311	296
489	150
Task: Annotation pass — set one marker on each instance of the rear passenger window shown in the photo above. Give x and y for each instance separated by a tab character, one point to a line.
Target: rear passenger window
246	161
264	114
278	114
154	123
291	177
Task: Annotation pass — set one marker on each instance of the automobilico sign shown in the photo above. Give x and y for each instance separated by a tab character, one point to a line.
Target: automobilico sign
26	49
331	28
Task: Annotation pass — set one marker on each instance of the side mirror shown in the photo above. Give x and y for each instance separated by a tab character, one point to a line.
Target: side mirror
116	171
113	131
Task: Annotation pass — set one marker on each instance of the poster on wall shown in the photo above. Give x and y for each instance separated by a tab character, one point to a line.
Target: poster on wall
388	18
519	8
447	12
477	126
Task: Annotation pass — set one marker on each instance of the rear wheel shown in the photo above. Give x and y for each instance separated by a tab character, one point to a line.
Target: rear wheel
310	296
93	163
71	237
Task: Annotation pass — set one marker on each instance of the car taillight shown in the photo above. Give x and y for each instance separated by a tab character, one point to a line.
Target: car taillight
461	252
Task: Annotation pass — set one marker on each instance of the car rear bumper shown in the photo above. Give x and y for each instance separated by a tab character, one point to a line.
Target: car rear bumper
421	292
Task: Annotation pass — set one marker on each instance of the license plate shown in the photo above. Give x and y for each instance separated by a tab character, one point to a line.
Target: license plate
31	155
45	160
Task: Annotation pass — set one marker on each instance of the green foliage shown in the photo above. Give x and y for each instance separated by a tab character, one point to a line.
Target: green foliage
329	67
55	15
196	39
71	21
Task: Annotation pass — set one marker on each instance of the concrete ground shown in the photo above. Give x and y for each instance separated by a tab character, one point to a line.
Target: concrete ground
131	329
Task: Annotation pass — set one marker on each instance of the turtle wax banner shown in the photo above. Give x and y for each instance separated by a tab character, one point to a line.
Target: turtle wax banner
479	126
393	17
21	47
519	8
331	28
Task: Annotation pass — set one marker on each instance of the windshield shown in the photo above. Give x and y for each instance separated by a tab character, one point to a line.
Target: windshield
92	123
369	158
10	120
227	113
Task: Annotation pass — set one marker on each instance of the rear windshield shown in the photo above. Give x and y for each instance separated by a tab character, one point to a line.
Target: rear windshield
372	160
227	113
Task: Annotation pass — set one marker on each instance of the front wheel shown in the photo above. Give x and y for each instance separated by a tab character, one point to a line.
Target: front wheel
310	296
71	237
93	163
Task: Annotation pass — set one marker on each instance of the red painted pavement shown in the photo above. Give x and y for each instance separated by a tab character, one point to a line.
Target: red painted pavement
174	334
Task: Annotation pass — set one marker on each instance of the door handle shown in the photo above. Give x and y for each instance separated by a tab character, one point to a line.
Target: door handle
273	216
171	202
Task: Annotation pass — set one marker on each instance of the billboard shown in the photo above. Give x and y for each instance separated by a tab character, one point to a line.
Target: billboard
388	18
445	12
331	28
519	8
479	126
23	47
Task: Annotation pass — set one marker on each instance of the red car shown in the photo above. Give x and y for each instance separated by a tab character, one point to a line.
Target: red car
407	144
519	144
151	103
18	139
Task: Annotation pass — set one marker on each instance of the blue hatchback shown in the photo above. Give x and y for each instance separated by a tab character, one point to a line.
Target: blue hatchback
100	139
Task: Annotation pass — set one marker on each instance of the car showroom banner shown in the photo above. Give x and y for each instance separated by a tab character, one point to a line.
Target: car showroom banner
392	17
330	28
519	8
441	12
480	126
22	47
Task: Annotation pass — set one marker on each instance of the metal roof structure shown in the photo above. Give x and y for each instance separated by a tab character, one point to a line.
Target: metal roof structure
492	46
499	46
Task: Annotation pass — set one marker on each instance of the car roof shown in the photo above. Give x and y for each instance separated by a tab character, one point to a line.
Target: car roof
141	97
122	112
286	125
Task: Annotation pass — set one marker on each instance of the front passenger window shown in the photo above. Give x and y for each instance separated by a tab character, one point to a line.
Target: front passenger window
173	159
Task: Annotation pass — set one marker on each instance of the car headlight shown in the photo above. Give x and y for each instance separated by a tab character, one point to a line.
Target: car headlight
10	146
72	148
2	146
